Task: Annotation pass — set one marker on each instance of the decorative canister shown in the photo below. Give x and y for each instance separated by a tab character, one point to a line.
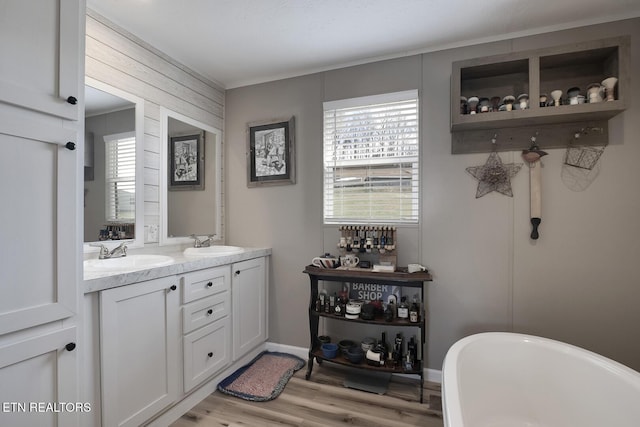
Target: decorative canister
353	309
367	344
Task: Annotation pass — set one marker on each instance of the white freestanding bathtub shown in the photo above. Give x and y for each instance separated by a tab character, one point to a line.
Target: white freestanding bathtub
501	379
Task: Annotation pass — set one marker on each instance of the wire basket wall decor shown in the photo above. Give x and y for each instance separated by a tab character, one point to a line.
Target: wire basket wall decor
583	157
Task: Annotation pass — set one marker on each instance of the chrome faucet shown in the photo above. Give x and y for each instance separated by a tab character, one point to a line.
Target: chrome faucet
117	252
202	243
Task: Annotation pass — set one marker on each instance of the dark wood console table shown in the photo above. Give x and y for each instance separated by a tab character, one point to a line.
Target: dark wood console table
354	275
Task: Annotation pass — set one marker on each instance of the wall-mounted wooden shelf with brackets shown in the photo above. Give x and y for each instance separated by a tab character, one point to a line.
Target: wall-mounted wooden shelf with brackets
534	73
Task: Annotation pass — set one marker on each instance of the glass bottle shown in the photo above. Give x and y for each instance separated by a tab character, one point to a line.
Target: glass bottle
388	313
339	307
397	350
414	312
403	309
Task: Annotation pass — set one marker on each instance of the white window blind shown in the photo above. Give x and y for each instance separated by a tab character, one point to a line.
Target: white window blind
371	159
120	167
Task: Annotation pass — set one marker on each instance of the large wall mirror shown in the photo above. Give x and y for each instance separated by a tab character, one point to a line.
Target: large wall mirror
113	171
190	179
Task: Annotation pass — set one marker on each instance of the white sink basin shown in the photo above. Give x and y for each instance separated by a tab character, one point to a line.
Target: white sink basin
212	251
127	263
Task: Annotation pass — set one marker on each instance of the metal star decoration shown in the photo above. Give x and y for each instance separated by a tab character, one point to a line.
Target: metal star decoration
494	176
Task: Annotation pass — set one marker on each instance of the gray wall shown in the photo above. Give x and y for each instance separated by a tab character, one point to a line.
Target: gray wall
578	283
193	211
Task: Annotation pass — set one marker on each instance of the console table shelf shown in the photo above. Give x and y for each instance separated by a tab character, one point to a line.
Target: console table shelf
400	278
377	321
341	360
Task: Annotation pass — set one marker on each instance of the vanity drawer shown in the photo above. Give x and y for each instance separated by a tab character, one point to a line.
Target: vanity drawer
206	352
204	283
204	311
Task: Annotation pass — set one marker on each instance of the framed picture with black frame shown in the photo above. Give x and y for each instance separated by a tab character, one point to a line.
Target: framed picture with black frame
186	162
271	153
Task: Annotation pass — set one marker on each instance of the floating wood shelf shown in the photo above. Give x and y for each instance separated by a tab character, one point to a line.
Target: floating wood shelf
539	72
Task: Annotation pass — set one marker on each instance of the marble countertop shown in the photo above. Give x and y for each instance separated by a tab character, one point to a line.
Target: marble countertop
94	282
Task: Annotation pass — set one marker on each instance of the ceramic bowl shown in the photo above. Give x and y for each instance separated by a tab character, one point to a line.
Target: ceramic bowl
325	262
329	350
355	354
324	339
345	345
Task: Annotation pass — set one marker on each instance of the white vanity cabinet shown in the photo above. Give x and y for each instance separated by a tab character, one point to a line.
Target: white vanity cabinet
249	293
39	168
206	324
140	336
164	344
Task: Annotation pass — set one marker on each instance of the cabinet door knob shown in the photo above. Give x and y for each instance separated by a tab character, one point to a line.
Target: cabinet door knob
70	146
173	287
209	312
237	272
209	284
72	100
210	354
71	346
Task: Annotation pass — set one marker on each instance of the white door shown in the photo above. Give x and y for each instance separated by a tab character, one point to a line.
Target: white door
40	67
40	51
31	391
39	47
139	344
38	262
248	294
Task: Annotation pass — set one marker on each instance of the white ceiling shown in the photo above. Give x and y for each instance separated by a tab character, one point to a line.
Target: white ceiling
241	42
98	102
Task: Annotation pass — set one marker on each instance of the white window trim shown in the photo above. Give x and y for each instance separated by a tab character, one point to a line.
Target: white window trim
109	139
367	101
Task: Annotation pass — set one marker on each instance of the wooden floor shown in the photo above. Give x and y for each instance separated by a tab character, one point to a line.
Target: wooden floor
322	401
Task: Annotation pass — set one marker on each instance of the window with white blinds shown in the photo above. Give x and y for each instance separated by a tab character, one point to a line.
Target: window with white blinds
120	181
371	159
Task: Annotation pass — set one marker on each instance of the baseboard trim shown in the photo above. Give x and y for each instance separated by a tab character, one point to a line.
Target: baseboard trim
200	393
431	375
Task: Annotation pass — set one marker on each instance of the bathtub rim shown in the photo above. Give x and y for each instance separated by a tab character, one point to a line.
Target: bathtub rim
451	410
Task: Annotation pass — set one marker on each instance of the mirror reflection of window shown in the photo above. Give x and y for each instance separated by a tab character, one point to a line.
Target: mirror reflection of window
109	187
120	186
